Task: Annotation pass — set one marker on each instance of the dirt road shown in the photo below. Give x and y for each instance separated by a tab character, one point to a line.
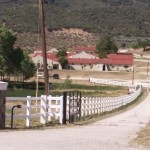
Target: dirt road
113	133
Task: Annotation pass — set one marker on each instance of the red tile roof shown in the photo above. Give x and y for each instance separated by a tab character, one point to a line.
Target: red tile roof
120	56
51	56
119	59
112	59
87	49
83	61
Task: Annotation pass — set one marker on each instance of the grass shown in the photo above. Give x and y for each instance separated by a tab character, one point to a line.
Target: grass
93	118
59	88
20	123
143	137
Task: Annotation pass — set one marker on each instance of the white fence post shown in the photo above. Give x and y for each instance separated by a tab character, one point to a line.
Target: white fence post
61	110
28	111
49	107
43	109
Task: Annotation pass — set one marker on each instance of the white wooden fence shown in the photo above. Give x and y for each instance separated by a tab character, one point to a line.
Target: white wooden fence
53	106
96	105
143	83
49	107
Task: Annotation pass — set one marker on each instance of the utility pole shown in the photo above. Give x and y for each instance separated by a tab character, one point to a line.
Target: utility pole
147	69
147	74
133	76
42	27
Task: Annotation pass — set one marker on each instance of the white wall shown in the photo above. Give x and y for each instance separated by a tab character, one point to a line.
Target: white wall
92	67
49	62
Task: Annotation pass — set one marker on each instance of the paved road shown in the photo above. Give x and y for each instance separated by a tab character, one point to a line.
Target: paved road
113	133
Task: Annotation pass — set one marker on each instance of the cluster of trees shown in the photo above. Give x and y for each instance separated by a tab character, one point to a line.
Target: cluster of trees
13	61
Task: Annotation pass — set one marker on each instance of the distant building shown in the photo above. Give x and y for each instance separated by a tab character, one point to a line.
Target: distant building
86	58
52	61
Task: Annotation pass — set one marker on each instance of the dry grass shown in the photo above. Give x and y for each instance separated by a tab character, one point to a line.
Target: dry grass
143	137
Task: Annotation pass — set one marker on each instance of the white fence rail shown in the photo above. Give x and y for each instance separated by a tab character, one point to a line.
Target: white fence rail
98	105
49	107
53	106
143	83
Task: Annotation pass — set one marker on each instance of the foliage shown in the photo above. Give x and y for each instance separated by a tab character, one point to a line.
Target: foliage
118	17
63	61
28	88
13	60
68	82
61	55
106	46
27	67
144	43
7	41
141	43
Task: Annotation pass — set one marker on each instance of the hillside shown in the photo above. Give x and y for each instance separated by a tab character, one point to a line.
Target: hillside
118	17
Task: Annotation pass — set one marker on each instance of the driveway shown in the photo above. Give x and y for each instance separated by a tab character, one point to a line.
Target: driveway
113	133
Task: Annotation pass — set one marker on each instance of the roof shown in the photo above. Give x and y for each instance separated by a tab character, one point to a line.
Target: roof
119	59
51	56
87	49
83	61
112	59
122	56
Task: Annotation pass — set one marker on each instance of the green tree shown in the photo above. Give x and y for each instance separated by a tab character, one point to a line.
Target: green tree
63	61
13	60
7	41
106	46
61	55
27	67
143	44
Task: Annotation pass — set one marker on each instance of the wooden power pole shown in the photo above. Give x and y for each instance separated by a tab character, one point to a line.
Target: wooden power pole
42	29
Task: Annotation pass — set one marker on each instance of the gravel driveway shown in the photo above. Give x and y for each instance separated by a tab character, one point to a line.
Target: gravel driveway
113	133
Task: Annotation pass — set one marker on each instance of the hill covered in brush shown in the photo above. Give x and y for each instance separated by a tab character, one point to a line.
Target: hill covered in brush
118	17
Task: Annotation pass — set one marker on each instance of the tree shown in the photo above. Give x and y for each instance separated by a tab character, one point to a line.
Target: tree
61	55
13	59
63	61
7	41
27	67
143	44
106	46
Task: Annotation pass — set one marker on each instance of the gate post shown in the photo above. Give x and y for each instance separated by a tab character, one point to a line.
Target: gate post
3	87
64	107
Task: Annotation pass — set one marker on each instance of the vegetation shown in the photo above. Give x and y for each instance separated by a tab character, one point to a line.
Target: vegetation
118	17
26	88
61	55
145	44
13	60
106	46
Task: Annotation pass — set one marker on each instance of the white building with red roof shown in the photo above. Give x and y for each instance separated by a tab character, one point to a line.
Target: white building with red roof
52	60
86	58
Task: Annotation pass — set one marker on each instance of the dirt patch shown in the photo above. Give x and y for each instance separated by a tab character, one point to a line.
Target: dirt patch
143	137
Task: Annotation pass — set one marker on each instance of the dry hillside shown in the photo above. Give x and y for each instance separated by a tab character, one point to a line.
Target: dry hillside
58	38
